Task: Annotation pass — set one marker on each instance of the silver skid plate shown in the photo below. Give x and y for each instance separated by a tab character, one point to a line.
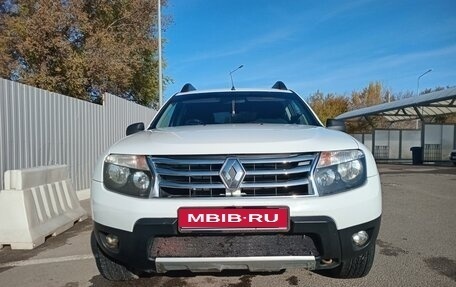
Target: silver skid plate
217	264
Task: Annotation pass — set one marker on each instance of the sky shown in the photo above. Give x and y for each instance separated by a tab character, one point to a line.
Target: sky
330	46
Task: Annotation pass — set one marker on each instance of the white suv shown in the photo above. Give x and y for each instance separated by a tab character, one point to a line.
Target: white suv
235	179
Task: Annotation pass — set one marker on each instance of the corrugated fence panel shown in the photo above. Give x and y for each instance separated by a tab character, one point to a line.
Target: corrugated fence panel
3	135
44	128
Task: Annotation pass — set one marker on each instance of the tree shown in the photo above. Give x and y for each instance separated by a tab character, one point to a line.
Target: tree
371	95
430	90
82	48
329	106
332	105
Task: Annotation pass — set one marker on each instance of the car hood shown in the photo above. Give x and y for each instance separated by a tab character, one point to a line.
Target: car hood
234	139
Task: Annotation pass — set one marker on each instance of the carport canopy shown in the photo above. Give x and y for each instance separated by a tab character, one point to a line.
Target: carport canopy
419	107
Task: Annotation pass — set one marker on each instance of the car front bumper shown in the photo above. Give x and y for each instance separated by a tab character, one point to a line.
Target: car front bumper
329	221
319	234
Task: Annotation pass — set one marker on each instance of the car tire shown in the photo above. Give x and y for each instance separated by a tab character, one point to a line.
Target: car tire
356	267
109	269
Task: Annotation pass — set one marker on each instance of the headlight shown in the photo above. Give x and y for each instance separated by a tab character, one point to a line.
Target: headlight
338	171
128	174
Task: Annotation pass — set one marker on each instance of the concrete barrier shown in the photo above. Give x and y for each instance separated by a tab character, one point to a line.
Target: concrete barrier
36	203
83	194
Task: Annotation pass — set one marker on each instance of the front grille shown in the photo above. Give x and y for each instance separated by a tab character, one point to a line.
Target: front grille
233	246
266	175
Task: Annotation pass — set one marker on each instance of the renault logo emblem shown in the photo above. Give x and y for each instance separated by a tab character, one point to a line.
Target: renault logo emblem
232	173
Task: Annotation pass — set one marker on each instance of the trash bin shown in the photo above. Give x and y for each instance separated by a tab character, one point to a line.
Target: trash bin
417	155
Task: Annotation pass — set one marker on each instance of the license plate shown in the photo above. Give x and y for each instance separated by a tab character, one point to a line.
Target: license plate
233	219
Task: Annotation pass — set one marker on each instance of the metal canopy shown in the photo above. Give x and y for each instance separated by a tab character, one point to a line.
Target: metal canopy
428	105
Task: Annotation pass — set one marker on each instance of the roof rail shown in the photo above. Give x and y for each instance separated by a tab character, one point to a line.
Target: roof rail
279	85
188	88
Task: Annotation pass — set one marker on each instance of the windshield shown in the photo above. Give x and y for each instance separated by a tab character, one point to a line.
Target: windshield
235	108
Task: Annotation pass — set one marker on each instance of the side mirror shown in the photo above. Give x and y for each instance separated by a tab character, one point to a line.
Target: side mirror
333	124
134	128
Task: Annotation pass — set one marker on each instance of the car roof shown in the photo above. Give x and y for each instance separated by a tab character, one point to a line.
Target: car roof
233	91
278	87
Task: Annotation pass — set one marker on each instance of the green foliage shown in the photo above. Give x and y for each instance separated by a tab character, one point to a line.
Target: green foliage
371	95
430	90
82	48
329	106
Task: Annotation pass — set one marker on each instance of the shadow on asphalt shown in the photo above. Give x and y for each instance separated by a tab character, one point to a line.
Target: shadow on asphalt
52	242
415	169
178	279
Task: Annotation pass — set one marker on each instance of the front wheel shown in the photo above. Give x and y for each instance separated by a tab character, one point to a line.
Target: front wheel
356	267
108	268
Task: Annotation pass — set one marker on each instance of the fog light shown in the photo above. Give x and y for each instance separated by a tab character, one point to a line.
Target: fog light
112	241
360	238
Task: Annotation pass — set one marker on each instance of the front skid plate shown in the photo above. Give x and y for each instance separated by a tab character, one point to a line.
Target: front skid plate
217	264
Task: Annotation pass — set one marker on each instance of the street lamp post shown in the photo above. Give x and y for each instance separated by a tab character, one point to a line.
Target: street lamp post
418	90
160	75
418	81
231	76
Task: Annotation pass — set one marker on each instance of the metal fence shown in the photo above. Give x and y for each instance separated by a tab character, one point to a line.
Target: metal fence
40	128
436	141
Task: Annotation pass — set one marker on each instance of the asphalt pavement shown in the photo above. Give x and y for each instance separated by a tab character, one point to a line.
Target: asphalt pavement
416	246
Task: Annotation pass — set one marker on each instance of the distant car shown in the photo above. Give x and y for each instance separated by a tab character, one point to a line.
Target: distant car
453	156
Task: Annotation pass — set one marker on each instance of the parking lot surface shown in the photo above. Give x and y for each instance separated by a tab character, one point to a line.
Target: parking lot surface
415	247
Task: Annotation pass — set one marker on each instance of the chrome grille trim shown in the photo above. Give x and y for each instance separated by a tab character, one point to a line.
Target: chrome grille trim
278	160
169	184
300	169
167	160
168	171
266	175
276	184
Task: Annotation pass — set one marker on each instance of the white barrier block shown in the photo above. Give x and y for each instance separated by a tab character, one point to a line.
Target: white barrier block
36	203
